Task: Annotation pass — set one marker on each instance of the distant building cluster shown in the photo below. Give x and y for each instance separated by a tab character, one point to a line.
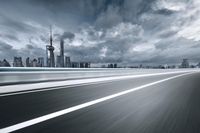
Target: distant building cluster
35	62
4	63
185	63
64	61
61	60
18	62
67	63
112	65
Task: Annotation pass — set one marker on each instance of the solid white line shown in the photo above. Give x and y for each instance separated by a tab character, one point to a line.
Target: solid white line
19	89
78	107
49	89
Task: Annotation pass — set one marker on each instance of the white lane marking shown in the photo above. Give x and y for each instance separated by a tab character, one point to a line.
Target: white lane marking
49	89
70	86
78	107
37	86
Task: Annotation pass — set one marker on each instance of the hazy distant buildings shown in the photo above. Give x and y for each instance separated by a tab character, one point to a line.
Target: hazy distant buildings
4	63
28	62
103	66
18	62
84	65
67	61
35	62
87	64
58	61
61	60
48	62
75	65
185	63
40	62
112	65
198	65
115	65
61	53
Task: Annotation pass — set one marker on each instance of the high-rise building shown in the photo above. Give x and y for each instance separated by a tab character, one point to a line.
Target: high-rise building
75	65
87	64
34	63
48	62
67	61
1	63
40	62
115	65
50	48
28	62
18	62
185	63
84	65
61	53
58	61
110	65
198	65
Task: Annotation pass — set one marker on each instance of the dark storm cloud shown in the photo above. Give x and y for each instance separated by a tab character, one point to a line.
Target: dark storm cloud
32	51
84	54
115	52
164	12
67	35
10	37
28	46
15	24
123	31
103	13
8	52
5	46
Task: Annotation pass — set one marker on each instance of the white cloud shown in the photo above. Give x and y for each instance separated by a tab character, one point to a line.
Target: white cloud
144	48
190	20
103	52
173	5
125	31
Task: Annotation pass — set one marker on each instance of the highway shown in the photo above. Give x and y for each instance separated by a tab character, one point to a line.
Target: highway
167	103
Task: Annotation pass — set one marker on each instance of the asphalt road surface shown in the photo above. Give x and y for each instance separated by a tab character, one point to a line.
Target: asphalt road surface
171	106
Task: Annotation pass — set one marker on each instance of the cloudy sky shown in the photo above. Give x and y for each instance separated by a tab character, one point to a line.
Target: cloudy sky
103	31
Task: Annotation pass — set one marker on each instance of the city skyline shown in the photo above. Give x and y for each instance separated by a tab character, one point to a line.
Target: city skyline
100	66
114	31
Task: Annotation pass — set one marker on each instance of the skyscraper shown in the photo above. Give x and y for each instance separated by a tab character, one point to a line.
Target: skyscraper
34	63
87	64
82	65
58	61
185	63
61	53
28	62
18	62
67	61
50	48
75	65
40	62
